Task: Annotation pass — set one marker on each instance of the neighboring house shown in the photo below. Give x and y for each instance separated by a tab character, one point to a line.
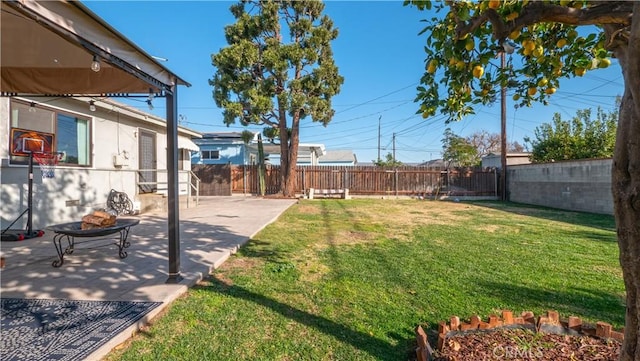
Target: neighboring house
230	148
493	160
435	163
221	148
114	146
338	158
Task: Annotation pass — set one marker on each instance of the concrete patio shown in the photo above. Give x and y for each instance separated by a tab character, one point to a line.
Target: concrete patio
210	233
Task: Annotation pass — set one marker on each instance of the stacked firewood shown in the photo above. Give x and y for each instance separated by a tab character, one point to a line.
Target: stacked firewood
98	219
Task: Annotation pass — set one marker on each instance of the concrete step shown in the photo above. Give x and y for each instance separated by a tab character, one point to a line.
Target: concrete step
154	201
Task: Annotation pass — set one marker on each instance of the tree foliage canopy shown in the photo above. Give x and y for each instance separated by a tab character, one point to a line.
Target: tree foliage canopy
261	73
486	143
461	63
458	151
579	138
389	161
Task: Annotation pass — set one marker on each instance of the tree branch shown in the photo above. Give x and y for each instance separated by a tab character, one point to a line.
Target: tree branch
618	13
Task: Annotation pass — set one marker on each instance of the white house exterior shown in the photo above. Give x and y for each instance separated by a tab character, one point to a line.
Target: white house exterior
493	160
113	147
339	157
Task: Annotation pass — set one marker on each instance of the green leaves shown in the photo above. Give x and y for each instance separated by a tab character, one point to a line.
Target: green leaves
268	67
462	38
580	138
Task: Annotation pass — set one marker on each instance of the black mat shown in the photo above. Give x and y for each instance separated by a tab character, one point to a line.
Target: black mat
37	329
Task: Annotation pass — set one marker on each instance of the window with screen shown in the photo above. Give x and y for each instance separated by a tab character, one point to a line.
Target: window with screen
44	129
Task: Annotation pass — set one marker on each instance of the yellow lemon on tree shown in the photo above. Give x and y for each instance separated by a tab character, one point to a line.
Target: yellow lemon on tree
516	97
460	65
580	71
604	63
532	91
470	44
550	90
542	82
494	4
538	51
478	70
514	34
561	43
452	61
512	16
433	65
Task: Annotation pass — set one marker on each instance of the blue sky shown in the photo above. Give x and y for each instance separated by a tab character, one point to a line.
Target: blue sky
380	56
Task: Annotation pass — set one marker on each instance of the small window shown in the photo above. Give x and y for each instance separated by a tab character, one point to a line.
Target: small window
210	154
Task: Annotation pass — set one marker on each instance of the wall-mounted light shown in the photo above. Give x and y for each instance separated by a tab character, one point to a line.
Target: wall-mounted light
92	106
95	64
32	107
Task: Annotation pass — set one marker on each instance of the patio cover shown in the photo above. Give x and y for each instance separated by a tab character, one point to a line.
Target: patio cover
47	48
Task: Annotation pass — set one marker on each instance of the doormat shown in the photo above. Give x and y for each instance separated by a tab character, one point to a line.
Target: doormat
40	329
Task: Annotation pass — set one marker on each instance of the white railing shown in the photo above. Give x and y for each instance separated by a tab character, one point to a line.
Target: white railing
188	183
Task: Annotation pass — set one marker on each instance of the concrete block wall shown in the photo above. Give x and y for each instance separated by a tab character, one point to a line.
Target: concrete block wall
580	185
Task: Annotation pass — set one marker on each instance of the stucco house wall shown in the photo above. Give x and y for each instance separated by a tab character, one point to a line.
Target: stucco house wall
114	157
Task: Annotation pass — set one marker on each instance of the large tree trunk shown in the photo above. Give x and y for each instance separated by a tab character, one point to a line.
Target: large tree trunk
626	187
289	187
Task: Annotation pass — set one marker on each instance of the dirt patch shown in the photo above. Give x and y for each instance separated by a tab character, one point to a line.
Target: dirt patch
519	344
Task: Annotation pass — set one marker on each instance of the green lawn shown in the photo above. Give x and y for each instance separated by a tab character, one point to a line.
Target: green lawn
350	280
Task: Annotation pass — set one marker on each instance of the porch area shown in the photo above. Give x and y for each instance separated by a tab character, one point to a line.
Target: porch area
209	234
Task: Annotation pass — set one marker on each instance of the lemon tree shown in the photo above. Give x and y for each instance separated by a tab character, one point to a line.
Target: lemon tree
543	36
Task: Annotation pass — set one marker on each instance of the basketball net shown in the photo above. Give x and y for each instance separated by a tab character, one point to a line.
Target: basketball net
48	163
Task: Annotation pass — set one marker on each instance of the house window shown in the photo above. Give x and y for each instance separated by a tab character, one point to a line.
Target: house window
210	154
60	132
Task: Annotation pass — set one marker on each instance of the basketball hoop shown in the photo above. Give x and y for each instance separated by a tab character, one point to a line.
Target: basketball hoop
47	162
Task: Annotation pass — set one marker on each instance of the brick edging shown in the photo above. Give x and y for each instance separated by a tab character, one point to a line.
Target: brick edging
549	323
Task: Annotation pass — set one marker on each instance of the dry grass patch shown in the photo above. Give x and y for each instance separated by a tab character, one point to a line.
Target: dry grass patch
307	208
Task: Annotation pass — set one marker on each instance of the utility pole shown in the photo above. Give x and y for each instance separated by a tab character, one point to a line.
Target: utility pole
503	135
394	148
380	117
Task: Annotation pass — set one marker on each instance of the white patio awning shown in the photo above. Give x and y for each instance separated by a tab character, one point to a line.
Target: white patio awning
48	47
186	143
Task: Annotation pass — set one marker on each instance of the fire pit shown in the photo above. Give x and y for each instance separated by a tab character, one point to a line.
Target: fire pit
71	231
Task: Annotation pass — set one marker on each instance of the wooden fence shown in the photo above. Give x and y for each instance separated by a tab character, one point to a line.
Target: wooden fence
414	181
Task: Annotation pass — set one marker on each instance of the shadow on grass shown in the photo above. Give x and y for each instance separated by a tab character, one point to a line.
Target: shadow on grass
379	349
601	221
581	302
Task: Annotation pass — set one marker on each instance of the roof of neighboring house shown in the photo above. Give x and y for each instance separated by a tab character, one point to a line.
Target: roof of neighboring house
303	148
509	154
434	163
339	155
222	135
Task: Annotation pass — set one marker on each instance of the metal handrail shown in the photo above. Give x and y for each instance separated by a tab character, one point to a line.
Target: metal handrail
193	183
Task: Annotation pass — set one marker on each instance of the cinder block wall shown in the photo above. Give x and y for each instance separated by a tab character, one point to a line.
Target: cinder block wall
580	185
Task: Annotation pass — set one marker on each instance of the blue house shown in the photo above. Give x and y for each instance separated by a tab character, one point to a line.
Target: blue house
230	148
221	148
